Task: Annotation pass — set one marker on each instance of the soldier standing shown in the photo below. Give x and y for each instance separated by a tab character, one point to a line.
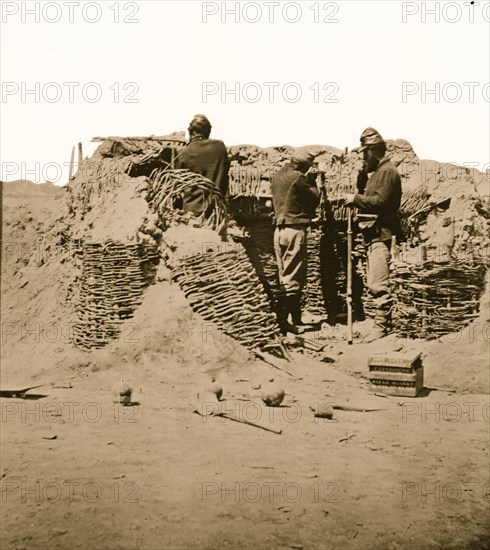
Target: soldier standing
379	203
295	200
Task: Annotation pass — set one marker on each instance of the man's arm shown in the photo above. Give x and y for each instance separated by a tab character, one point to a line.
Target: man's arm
383	190
309	194
222	177
226	177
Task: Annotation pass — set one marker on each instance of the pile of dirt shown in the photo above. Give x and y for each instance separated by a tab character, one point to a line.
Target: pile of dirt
25	188
272	158
466	214
161	475
40	278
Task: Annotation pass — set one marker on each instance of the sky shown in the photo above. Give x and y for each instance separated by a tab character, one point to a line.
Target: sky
265	73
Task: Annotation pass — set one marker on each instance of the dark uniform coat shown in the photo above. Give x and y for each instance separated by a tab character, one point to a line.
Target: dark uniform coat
382	196
209	158
294	199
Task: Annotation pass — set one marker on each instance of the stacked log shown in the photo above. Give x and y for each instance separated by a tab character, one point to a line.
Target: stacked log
339	179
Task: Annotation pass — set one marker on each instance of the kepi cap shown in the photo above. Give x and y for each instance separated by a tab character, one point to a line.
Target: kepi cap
369	137
306	155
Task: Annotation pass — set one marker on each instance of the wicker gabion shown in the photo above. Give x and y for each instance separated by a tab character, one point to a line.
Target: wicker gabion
245	181
339	178
93	180
333	270
225	290
259	246
413	210
435	299
113	278
325	290
314	300
168	187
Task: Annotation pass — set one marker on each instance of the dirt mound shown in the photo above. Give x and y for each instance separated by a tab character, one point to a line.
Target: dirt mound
26	188
80	471
275	157
40	277
462	222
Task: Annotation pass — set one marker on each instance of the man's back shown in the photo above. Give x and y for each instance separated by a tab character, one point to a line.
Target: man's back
294	199
209	158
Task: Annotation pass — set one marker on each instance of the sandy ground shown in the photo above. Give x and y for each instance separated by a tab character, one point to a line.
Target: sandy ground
79	471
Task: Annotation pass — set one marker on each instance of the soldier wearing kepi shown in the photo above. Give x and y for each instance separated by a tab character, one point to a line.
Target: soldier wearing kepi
295	200
379	203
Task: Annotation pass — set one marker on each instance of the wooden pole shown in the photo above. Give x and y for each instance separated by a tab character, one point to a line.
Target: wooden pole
349	275
72	160
80	155
349	272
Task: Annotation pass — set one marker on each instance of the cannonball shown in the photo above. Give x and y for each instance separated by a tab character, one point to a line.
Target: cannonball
123	393
215	388
272	394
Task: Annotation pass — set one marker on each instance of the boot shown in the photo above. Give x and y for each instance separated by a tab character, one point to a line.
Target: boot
286	306
282	314
375	334
298	325
382	325
294	307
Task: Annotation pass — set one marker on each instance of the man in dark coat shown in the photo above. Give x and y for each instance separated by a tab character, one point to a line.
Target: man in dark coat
295	200
381	200
204	156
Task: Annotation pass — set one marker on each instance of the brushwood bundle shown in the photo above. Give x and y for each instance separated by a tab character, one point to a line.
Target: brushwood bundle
413	209
314	299
169	186
113	278
224	289
245	181
435	299
338	179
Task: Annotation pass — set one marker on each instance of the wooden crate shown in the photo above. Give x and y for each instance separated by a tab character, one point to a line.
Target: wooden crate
400	374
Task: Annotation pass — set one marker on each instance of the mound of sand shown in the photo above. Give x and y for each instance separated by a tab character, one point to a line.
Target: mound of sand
40	278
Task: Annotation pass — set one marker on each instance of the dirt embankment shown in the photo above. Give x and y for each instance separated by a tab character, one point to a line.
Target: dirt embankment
413	474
